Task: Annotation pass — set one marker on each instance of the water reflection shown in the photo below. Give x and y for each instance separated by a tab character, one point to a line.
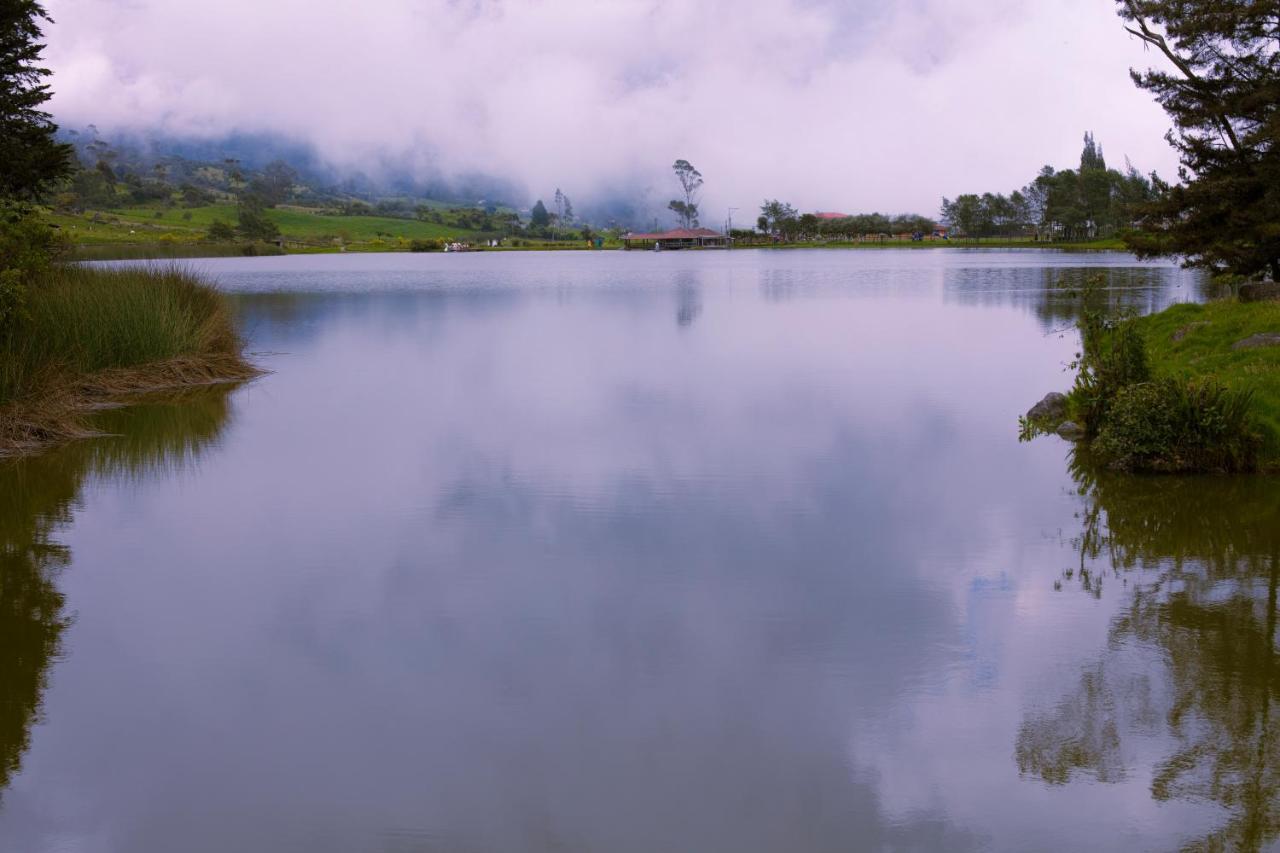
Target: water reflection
688	303
1190	661
501	557
41	495
1052	294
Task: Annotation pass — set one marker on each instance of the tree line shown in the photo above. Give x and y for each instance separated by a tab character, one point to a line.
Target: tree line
1073	204
781	221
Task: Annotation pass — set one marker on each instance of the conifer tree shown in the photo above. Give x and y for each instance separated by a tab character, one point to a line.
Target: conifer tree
538	217
1223	94
30	157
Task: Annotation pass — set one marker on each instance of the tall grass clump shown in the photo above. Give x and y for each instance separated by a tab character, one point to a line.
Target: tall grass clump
82	320
88	335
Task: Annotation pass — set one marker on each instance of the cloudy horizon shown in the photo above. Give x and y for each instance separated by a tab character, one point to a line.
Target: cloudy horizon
833	106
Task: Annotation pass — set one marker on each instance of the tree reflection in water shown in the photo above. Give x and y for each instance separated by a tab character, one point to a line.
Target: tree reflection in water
1203	555
40	495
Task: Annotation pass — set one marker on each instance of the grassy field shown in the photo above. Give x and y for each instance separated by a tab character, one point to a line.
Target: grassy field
297	223
177	225
174	232
89	334
1195	341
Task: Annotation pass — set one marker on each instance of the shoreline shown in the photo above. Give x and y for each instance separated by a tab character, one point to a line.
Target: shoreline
93	252
1203	397
93	338
60	412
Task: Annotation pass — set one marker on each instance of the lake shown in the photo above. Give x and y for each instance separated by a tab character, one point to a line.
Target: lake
574	551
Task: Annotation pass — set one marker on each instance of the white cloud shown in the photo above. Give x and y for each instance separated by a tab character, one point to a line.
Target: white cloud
855	105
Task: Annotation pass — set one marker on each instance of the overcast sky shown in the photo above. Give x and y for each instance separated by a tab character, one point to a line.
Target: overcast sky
848	105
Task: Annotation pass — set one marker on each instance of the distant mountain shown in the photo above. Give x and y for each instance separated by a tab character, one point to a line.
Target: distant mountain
143	152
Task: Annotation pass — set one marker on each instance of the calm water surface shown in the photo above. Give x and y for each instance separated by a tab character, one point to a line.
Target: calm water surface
634	552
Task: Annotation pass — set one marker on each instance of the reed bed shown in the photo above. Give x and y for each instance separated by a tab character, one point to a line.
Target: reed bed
90	336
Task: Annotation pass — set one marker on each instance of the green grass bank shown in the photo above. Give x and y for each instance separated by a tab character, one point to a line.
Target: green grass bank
87	337
1194	388
1194	343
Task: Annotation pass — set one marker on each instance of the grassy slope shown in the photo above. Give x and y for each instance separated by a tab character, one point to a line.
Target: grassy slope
1205	351
141	225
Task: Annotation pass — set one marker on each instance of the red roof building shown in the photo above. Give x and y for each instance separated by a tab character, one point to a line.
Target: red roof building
679	238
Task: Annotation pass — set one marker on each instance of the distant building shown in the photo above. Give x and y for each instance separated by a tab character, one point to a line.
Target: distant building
680	238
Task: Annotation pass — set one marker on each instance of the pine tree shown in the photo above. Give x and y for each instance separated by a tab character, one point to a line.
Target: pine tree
1095	188
1224	99
538	217
30	156
1091	157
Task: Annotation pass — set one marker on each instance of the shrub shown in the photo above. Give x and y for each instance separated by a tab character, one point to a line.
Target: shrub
419	245
1168	425
253	250
221	231
1113	357
253	222
28	245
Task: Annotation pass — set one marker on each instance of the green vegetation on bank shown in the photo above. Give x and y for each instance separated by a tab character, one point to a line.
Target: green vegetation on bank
80	320
1202	343
139	233
87	335
1193	388
73	337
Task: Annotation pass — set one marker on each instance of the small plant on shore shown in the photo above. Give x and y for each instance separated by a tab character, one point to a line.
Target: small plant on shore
1112	357
1169	425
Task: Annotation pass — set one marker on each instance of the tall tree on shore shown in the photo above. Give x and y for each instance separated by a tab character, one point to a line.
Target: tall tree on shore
30	157
1224	98
564	208
690	183
1094	201
1095	188
777	217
